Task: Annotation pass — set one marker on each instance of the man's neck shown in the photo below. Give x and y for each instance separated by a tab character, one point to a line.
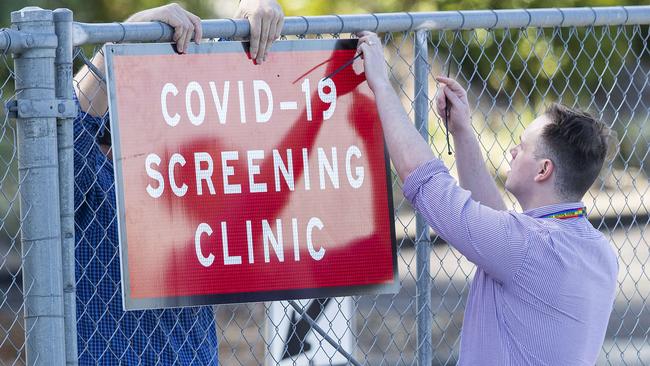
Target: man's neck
540	201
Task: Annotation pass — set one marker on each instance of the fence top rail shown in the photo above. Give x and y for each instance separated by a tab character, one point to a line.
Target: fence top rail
87	33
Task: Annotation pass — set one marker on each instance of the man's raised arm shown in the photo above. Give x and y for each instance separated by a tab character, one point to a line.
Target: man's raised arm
472	171
265	16
490	238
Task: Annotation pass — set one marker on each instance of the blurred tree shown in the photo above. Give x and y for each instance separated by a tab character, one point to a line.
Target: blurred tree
104	10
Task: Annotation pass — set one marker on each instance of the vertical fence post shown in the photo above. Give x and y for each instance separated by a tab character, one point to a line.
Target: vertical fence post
63	65
39	189
422	241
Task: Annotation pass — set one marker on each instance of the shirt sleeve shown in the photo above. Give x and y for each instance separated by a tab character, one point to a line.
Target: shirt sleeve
87	129
493	240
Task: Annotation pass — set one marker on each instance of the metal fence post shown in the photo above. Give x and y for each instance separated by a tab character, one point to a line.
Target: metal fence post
64	90
422	241
39	191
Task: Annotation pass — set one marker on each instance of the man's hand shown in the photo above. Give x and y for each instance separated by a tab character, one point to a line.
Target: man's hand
473	174
459	114
185	24
266	20
374	64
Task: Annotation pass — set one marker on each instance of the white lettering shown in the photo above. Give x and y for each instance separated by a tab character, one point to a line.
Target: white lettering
203	175
314	222
203	228
167	89
358	181
258	86
254	170
242	107
249	236
296	249
176	159
194	87
152	173
222	106
227	259
287	170
268	236
228	171
305	167
332	169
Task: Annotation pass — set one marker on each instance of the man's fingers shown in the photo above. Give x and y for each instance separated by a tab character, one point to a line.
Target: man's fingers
188	34
256	28
264	36
180	30
279	25
364	34
440	99
271	36
198	29
441	104
453	98
453	84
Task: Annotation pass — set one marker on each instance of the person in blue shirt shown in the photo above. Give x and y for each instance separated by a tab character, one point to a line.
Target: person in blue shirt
107	334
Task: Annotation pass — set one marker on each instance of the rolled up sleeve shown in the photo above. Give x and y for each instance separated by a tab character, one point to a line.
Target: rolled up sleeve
493	240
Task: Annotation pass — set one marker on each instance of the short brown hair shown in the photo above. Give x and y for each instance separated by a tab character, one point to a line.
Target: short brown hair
577	143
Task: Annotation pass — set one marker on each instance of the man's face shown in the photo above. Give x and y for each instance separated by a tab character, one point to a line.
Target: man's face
524	166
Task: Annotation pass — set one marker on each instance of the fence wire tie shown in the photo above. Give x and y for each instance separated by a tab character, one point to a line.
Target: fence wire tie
530	18
8	37
462	19
342	24
377	22
304	34
234	34
563	17
627	15
123	32
412	21
496	20
593	24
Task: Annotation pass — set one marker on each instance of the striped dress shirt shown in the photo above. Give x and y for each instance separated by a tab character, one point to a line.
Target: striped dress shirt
543	289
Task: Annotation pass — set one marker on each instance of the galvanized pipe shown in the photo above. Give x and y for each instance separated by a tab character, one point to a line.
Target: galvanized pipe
39	193
422	241
85	33
65	142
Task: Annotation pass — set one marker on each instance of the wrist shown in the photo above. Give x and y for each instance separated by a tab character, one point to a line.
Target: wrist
381	87
462	133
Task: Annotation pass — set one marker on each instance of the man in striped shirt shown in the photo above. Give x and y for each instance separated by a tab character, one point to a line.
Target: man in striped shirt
546	278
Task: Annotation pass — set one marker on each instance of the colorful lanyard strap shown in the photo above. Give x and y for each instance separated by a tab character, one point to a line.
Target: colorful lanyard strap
568	214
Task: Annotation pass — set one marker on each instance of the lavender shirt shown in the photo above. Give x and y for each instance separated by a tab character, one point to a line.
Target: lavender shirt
543	289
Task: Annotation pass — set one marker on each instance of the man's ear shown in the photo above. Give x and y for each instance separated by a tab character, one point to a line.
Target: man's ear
545	169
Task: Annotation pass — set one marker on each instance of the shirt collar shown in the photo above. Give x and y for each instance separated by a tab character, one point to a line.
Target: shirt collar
551	209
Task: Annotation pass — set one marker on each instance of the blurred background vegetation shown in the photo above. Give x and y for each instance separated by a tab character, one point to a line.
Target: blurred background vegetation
518	71
511	75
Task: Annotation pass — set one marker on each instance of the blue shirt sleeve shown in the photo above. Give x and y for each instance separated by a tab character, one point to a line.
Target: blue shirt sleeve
88	157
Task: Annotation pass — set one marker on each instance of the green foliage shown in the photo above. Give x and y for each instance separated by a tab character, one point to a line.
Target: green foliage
314	7
103	10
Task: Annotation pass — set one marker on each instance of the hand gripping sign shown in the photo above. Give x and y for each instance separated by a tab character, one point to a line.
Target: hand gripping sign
239	182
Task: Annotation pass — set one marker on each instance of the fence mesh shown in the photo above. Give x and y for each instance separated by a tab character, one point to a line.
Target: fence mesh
12	327
511	76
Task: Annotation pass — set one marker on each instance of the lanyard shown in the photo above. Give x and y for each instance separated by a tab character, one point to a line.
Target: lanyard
567	214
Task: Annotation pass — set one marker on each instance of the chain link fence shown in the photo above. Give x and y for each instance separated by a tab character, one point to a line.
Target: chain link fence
513	63
12	329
